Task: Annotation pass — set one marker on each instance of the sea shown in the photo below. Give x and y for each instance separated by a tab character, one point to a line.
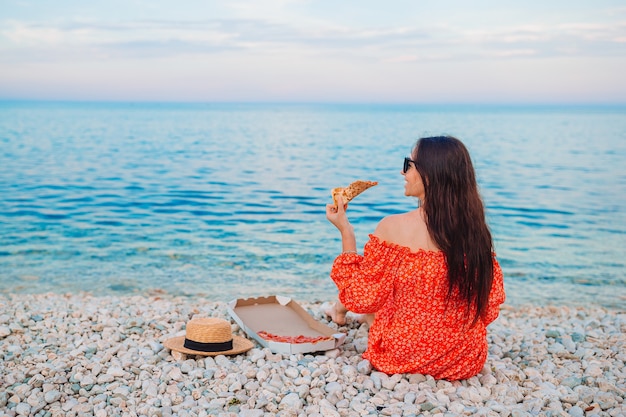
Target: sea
219	201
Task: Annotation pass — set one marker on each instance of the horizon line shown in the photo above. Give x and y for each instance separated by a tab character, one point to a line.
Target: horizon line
323	102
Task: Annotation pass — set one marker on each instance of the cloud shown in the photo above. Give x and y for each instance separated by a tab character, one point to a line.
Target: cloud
86	40
318	50
210	36
402	58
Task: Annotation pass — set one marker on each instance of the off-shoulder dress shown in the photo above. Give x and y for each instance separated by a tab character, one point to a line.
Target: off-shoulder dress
417	328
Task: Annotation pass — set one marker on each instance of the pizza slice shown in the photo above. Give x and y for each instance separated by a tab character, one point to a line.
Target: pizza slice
293	339
352	190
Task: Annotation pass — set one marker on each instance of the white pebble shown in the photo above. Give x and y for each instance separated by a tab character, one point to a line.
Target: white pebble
364	367
291	401
22	409
115	371
542	360
576	411
292	372
251	413
52	396
333	387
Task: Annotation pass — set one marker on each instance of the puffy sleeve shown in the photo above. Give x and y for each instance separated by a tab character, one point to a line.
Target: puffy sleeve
497	296
366	281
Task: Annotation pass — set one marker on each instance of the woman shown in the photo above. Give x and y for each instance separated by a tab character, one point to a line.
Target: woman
429	276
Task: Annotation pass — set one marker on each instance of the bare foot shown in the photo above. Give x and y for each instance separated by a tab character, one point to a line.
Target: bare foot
337	313
366	318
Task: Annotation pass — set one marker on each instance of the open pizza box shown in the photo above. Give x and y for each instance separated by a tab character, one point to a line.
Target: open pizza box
281	316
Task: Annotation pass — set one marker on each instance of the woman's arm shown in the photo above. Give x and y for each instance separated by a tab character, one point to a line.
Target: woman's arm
337	216
365	282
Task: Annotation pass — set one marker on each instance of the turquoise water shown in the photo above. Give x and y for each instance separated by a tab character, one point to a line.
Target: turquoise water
227	200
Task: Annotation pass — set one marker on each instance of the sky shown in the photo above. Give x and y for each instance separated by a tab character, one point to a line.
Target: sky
355	51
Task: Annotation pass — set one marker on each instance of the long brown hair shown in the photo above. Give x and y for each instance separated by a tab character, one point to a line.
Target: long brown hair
456	218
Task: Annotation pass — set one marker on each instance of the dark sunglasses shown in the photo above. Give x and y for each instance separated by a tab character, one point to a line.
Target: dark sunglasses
407	164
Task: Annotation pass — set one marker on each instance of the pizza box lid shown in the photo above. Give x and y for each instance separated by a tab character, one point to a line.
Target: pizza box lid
282	316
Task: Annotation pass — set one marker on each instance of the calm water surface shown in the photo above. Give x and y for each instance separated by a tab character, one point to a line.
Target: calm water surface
223	201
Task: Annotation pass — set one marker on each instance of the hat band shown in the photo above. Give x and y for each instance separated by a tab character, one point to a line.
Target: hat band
208	347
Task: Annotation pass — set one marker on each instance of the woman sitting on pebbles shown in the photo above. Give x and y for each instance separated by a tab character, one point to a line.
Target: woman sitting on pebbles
428	280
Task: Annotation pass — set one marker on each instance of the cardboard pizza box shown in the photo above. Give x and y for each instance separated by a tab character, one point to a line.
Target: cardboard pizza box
280	315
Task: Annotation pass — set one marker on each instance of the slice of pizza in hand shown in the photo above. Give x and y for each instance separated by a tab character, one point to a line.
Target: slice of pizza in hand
352	190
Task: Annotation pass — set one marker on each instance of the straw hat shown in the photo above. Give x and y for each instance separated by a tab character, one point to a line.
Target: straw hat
209	337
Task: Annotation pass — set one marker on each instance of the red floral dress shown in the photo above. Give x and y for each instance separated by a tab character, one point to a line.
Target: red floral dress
415	330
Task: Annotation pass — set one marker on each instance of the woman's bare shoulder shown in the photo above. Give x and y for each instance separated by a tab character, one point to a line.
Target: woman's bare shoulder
406	229
390	225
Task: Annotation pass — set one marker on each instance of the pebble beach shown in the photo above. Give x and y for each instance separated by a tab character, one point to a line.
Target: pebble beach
82	355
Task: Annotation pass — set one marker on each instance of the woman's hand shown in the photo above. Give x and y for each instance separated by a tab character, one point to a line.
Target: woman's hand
337	214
